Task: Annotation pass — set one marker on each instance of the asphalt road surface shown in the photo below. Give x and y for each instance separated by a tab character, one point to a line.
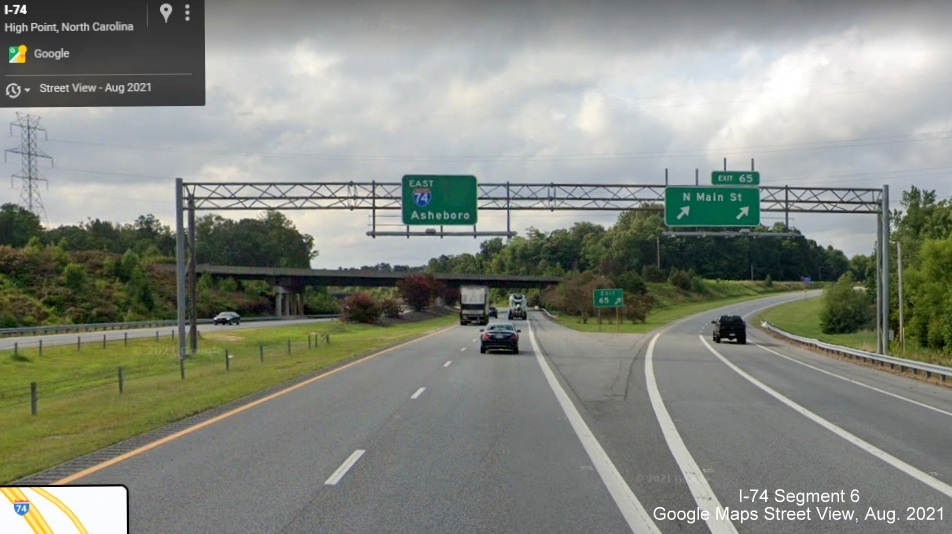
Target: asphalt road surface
7	343
580	432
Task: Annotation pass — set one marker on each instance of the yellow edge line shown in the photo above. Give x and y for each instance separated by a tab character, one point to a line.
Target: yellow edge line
99	467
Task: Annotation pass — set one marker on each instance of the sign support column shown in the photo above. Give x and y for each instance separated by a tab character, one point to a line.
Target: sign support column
884	252
180	267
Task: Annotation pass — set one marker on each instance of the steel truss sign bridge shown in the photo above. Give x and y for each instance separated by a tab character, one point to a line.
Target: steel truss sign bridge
384	197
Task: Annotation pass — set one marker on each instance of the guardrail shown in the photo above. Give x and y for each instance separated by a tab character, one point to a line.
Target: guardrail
869	357
93	327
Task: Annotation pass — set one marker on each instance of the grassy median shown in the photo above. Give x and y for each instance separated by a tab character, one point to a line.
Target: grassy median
80	409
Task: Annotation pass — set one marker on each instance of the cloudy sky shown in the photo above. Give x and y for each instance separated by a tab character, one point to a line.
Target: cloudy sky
830	94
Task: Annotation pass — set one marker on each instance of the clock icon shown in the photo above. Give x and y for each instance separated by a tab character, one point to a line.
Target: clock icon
13	90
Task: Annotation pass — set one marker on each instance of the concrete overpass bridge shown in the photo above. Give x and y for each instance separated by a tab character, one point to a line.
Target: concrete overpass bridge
289	283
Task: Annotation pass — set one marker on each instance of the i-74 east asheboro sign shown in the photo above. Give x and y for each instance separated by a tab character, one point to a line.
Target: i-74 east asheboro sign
438	200
711	206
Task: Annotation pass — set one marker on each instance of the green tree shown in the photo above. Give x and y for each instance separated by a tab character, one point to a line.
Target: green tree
845	310
18	225
859	264
270	241
74	277
929	286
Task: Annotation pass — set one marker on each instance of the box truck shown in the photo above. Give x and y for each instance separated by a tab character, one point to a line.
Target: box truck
473	305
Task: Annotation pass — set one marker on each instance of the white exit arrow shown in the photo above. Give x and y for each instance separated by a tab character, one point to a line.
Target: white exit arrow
744	212
686	210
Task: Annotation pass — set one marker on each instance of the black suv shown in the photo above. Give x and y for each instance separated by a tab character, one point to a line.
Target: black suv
730	327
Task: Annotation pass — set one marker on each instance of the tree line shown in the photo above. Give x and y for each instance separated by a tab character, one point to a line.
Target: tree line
100	271
268	241
637	243
632	251
923	229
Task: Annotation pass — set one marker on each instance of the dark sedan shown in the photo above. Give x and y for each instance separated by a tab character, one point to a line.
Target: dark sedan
499	336
228	317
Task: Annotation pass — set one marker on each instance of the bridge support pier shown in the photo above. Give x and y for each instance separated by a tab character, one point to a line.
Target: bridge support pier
287	303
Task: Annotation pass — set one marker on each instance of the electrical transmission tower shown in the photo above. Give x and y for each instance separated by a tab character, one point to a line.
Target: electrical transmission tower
29	173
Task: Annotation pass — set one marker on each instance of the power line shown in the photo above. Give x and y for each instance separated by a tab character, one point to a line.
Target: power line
523	158
29	173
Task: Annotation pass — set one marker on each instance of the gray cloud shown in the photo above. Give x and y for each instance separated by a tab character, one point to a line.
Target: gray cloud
844	94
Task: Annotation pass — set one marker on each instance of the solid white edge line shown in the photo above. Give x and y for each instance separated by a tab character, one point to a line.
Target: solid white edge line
697	483
915	473
855	382
447	364
850	380
344	467
418	393
634	512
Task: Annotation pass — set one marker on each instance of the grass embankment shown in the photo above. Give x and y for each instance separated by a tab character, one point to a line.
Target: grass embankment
802	317
672	303
80	409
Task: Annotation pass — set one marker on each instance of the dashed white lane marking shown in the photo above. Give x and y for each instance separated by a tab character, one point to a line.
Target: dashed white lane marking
344	467
447	364
418	393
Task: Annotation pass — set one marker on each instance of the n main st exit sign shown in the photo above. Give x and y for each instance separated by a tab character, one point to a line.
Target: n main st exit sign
735	178
711	206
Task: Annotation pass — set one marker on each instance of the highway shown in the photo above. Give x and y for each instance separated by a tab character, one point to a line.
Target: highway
581	432
6	343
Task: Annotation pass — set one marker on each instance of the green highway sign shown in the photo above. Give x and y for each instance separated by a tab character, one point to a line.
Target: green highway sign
711	206
608	298
735	177
439	200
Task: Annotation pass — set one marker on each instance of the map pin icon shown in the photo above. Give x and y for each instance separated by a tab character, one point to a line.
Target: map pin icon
166	10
